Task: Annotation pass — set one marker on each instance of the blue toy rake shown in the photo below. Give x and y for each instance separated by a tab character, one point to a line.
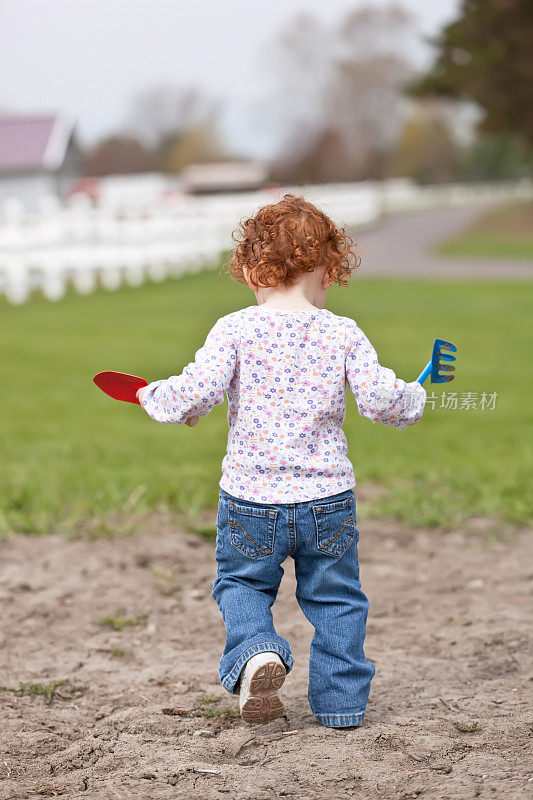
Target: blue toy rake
439	363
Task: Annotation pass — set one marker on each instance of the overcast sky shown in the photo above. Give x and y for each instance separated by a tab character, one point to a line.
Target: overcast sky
89	58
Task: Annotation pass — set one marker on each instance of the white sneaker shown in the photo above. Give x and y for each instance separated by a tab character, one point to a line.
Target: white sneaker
261	677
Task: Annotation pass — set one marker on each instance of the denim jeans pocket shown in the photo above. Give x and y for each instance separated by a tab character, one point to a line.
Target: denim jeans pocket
335	526
252	529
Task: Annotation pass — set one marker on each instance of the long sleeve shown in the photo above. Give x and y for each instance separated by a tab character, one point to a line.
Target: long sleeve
379	394
202	383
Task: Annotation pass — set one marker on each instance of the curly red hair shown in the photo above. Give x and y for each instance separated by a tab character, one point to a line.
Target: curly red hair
286	239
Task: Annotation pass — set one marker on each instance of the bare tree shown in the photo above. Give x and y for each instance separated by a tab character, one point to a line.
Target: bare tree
344	85
178	124
167	111
302	60
426	149
115	155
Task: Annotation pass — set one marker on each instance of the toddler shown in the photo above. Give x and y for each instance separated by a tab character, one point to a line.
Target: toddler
287	484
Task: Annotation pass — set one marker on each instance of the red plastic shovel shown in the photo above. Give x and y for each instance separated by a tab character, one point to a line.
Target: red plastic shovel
120	385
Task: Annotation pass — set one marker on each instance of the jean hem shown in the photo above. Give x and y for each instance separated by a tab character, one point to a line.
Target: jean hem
340	720
231	679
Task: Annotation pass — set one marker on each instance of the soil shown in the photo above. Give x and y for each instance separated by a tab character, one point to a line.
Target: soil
448	629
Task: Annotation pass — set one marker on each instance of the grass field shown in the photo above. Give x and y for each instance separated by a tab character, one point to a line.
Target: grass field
503	232
70	453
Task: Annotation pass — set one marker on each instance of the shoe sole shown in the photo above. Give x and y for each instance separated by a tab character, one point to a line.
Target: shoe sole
264	703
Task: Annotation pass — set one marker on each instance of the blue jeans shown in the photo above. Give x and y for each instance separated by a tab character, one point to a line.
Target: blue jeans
253	539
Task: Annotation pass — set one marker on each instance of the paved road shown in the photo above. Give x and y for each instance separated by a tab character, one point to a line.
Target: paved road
401	246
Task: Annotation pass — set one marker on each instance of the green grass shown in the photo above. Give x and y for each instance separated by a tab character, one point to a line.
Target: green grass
119	652
64	689
120	623
488	245
223	714
68	452
467	727
503	232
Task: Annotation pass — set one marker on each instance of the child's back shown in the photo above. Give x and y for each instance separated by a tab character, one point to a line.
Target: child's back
285	375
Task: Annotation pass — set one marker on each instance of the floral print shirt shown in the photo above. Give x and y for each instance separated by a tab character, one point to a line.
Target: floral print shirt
285	374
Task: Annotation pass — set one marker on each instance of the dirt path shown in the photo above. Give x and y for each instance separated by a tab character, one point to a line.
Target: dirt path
401	246
448	626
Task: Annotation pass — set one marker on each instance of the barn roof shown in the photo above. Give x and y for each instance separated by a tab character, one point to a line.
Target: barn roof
29	143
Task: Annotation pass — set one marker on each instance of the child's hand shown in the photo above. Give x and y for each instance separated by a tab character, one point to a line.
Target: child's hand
139	394
191	421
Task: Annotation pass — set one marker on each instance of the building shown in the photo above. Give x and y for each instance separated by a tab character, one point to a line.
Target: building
226	176
39	155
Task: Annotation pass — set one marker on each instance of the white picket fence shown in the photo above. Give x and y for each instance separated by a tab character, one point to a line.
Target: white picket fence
83	247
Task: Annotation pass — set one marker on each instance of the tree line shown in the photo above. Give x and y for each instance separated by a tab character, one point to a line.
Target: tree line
351	104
